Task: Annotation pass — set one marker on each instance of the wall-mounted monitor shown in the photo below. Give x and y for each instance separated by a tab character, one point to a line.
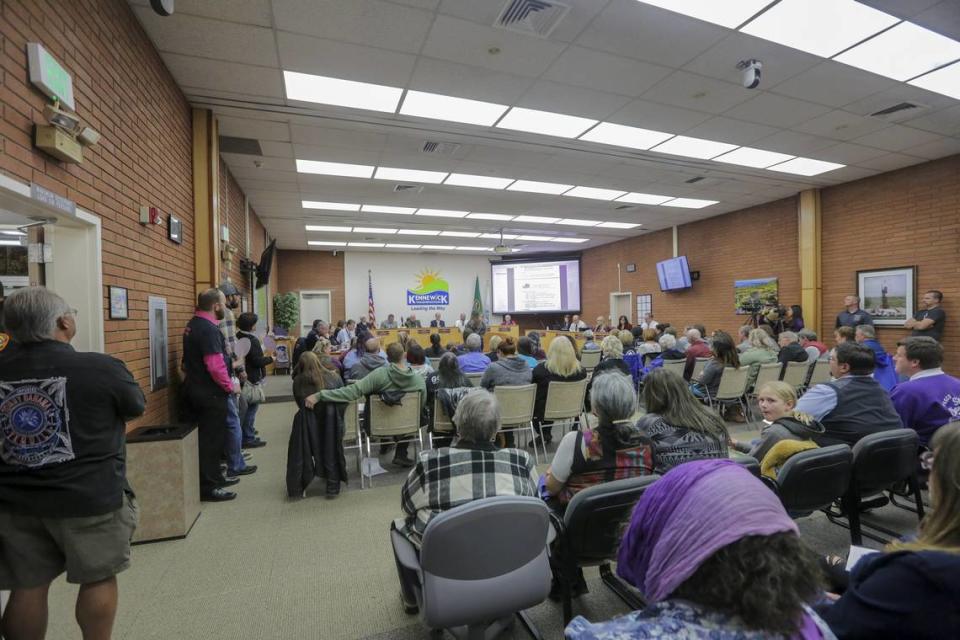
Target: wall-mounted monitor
674	274
542	286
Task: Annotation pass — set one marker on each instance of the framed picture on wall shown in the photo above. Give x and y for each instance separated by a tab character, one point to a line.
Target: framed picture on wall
157	322
889	295
119	305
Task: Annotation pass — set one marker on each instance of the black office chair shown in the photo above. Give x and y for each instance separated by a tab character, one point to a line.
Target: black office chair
880	461
814	479
746	461
590	536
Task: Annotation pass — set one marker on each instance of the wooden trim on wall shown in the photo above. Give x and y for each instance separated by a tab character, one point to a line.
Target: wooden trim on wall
206	199
808	251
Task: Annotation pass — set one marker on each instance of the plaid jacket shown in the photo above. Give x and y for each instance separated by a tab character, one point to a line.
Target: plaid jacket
229	331
452	476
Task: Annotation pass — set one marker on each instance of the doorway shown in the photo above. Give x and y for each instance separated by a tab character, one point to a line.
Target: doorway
620	305
313	305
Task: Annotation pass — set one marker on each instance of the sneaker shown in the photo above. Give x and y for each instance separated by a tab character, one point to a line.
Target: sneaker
229	481
874	503
254	444
246	471
218	495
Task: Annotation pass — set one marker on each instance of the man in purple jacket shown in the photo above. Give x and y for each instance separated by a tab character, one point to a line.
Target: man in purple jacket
930	398
473	361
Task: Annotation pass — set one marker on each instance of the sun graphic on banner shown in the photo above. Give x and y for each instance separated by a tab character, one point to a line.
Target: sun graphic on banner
430	281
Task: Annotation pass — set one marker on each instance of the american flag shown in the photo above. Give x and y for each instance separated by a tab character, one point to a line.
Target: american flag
371	310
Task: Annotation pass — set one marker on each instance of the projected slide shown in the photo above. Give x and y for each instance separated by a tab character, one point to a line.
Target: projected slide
535	287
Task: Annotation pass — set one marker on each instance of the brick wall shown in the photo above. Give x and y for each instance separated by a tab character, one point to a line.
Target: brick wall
122	90
908	217
752	243
305	270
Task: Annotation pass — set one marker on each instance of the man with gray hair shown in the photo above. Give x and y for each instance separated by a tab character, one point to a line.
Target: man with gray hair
814	348
744	334
884	371
65	504
473	361
471	469
697	349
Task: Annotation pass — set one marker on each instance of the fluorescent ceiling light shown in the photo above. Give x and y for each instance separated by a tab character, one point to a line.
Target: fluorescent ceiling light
376	208
373	230
365	244
497	236
473	248
725	14
489	216
325	243
332	206
805	166
442	213
9	243
624	136
618	225
576	222
438	247
749	157
537	219
402	246
594	193
821	27
532	186
335	169
545	122
945	81
571	240
418	232
694	147
12	232
535	238
413	175
689	203
643	198
460	234
439	107
341	93
320	227
903	52
481	182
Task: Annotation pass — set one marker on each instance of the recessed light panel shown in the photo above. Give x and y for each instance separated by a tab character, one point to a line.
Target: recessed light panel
497	236
460	234
624	136
490	216
821	27
725	14
618	225
402	246
748	157
440	107
335	169
372	245
694	147
576	222
689	203
594	193
9	243
325	243
341	93
413	175
438	247
384	230
643	198
903	52
805	166
944	81
571	240
532	186
545	122
330	206
535	238
376	208
418	232
442	213
480	182
537	219
316	227
473	249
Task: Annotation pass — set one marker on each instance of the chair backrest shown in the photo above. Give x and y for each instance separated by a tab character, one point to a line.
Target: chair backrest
434	363
795	374
677	366
821	372
442	423
484	560
474	378
399	420
594	519
698	366
590	359
769	372
813	479
733	383
564	399
351	422
884	458
749	463
516	403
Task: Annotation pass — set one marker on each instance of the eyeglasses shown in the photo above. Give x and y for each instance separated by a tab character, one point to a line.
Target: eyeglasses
926	460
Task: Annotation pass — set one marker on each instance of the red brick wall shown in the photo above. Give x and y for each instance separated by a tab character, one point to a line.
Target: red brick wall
300	270
752	243
908	217
122	90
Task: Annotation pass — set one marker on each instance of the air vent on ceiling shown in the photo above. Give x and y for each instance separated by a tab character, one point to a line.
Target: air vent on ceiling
625	207
244	146
407	188
694	180
900	111
531	17
440	148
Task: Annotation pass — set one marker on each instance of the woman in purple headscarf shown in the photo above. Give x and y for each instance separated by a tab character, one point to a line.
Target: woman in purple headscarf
717	557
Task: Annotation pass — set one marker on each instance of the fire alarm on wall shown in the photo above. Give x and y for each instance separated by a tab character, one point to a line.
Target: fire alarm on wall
150	215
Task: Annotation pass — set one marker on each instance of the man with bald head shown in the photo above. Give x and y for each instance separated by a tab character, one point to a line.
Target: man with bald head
373	358
852	315
697	349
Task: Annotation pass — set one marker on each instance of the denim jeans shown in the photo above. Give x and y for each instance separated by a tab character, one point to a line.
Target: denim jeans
235	460
247	420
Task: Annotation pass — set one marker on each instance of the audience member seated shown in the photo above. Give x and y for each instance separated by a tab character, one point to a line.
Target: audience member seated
589	344
314	373
394	377
911	589
473	361
623	324
648	343
535	349
929	398
808	340
525	351
494	343
435	350
763	350
346	335
725	355
389	323
447	376
681	427
637	333
668	346
611	357
352	356
793	319
790	349
561	365
883	367
448	477
743	335
853	404
372	359
716	556
508	369
626	339
417	360
697	349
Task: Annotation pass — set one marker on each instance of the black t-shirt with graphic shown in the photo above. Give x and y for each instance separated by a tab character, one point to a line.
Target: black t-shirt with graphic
939	318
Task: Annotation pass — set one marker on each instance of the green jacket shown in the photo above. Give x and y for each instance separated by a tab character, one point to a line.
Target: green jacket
754	357
389	378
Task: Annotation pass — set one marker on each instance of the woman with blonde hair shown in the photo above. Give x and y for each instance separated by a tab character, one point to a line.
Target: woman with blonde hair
762	350
649	342
911	589
495	341
561	365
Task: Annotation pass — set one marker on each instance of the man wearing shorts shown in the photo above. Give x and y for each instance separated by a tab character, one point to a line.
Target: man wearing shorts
65	504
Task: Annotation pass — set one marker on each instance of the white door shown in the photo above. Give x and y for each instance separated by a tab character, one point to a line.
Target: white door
620	304
313	305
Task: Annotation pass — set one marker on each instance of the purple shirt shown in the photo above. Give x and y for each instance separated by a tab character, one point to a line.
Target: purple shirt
473	362
927	401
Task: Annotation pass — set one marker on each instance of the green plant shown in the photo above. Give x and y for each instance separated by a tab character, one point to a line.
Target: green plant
286	310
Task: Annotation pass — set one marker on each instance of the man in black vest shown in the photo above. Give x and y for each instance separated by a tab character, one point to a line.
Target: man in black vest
854	404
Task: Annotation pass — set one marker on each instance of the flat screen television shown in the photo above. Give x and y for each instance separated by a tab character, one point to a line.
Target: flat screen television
674	274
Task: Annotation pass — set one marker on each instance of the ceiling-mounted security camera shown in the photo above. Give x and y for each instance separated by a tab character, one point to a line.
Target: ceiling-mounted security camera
751	73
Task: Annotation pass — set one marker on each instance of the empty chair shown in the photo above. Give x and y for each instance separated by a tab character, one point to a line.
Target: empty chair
564	401
795	374
814	479
698	366
352	433
400	422
590	359
480	564
516	410
434	363
442	423
820	372
769	372
677	366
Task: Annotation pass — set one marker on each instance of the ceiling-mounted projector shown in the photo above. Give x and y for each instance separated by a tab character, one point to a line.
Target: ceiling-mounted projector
501	248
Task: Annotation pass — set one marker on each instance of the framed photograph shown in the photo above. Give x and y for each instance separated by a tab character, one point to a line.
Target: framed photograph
175	229
159	354
750	296
119	307
889	295
631	267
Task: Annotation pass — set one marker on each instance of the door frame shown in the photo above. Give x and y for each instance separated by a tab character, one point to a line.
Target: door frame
614	314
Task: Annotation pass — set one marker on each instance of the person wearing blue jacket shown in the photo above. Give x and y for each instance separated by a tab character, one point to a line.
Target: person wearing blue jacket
884	371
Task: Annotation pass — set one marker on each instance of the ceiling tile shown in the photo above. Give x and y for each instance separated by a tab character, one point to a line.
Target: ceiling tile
777	111
725	129
849	153
692	91
242	172
832	83
463	81
485	13
253	128
945	122
943	18
570	100
307	54
244	11
900	92
345	138
276	149
794	143
327	154
897	138
224	76
890	162
650	115
841	125
935	149
605	72
779	62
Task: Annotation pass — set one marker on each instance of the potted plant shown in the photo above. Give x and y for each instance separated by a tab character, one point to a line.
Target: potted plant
286	310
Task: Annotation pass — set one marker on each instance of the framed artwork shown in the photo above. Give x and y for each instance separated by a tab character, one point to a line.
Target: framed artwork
750	296
159	355
119	306
889	295
175	229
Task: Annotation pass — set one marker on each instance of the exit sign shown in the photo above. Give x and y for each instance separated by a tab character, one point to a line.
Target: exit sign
49	76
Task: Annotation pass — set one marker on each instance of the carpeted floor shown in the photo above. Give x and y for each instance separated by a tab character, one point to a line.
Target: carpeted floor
268	567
